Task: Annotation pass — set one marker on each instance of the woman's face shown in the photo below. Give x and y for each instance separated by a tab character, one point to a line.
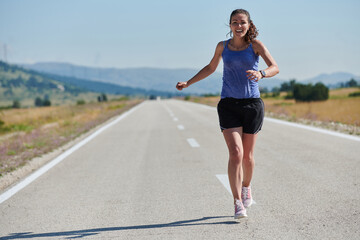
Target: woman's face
239	25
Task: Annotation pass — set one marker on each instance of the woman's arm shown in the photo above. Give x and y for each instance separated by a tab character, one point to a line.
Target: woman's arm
272	68
206	71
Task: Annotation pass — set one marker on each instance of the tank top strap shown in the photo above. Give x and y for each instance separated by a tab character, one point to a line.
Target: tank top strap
225	43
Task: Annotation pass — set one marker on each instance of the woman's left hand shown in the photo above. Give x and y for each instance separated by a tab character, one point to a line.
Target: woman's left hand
253	75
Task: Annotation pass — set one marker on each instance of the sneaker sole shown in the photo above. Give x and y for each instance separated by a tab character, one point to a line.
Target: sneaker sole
240	216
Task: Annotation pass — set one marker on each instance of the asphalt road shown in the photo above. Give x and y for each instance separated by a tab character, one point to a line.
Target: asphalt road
154	175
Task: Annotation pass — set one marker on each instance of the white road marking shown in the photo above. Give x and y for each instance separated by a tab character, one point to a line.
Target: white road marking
169	111
223	178
175	119
12	191
193	143
320	130
180	127
298	125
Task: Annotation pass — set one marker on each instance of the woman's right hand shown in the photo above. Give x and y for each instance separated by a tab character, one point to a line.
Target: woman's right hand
181	85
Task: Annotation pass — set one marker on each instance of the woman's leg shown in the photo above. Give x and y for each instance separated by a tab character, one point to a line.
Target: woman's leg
248	162
233	139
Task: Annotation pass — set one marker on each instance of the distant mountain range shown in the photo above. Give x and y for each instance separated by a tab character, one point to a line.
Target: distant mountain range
165	80
144	78
18	83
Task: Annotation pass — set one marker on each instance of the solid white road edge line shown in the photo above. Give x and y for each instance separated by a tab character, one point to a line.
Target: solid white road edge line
193	143
298	125
314	129
12	191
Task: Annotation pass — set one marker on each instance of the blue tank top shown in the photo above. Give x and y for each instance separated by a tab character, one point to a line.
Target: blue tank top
235	82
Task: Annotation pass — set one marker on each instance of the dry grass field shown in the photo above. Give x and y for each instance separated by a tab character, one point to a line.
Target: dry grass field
339	112
32	132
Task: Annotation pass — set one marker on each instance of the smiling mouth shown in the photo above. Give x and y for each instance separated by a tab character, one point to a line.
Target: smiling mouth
239	31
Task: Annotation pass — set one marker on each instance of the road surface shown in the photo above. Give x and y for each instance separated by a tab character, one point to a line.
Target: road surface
155	174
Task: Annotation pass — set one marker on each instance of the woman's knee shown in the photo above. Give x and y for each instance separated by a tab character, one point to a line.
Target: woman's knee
236	154
248	158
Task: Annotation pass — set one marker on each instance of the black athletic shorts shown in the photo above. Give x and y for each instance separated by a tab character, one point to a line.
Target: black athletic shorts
247	113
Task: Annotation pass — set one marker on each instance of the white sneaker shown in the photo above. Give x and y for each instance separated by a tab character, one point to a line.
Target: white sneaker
246	196
240	211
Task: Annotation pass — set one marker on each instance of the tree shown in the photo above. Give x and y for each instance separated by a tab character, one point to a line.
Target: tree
352	83
102	98
264	90
46	103
32	82
275	92
319	92
288	86
308	92
16	104
38	102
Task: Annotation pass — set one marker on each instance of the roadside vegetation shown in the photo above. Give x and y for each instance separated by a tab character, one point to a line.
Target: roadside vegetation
26	133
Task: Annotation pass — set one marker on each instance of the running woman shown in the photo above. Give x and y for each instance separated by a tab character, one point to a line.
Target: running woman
240	110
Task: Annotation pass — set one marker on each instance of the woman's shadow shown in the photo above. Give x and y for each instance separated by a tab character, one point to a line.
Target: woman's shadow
95	231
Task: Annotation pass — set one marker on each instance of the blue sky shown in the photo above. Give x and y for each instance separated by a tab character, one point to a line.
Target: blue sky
306	38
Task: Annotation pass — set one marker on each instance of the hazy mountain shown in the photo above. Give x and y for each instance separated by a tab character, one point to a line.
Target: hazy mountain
165	79
103	87
145	78
20	84
17	83
333	79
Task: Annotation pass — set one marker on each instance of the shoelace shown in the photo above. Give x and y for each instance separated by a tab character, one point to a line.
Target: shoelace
238	206
245	193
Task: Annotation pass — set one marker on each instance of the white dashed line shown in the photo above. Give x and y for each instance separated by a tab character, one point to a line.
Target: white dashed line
193	143
180	127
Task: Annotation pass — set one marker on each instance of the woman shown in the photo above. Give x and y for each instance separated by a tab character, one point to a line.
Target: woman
240	110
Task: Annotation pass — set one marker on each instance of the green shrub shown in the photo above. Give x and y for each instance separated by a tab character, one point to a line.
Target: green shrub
307	93
80	102
354	94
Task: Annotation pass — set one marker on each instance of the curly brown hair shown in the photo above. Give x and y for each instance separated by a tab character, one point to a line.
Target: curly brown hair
252	32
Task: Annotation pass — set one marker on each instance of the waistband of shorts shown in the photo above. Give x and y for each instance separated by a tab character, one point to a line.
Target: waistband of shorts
240	100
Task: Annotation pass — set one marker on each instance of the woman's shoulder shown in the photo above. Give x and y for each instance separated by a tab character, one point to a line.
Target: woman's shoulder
222	43
257	43
257	46
220	46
